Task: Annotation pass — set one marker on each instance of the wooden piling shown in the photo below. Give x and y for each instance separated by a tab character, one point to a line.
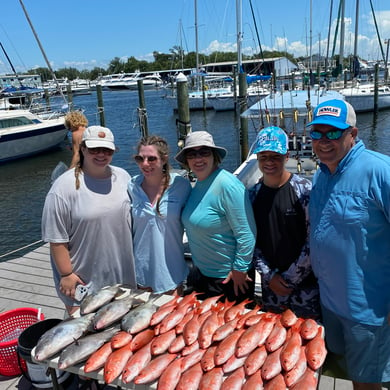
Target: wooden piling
69	96
183	122
376	76
243	121
142	115
47	99
99	92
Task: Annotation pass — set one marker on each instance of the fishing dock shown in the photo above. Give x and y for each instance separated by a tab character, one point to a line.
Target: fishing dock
27	281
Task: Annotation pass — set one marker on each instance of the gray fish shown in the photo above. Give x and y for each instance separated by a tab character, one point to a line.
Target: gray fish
138	319
114	311
95	301
84	347
61	335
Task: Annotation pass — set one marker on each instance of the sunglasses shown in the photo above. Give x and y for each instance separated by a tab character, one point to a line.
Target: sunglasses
332	135
203	152
107	151
140	159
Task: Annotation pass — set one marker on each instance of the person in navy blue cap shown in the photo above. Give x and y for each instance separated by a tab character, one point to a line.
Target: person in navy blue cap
280	200
350	244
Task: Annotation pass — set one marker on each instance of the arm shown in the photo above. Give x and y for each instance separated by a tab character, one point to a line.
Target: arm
61	257
76	141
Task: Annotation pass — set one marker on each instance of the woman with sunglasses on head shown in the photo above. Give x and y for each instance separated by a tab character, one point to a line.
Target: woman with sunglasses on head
219	223
280	202
86	220
158	197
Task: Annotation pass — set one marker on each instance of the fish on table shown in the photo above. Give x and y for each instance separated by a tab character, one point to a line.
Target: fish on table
139	318
95	301
83	348
61	335
114	311
200	350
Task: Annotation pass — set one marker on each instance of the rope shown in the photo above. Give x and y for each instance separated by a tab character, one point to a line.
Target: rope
17	250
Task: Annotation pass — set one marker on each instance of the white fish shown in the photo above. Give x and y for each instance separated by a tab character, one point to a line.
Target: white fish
94	301
138	319
83	348
61	335
114	311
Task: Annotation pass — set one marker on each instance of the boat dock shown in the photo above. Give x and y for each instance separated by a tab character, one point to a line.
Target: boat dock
27	281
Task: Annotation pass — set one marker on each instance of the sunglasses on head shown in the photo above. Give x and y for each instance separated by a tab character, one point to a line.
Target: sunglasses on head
332	135
203	152
107	151
140	159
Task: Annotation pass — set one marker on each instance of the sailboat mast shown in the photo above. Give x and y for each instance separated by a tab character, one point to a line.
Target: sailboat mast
42	51
342	33
10	63
311	35
239	34
356	30
196	36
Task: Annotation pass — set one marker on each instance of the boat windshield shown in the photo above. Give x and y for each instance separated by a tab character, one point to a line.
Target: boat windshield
16	122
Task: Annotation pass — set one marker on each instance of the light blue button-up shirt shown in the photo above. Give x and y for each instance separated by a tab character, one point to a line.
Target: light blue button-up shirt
158	239
350	235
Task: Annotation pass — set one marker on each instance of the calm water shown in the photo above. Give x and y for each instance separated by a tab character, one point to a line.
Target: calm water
24	183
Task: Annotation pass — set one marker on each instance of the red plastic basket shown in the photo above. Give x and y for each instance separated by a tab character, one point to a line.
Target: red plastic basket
12	323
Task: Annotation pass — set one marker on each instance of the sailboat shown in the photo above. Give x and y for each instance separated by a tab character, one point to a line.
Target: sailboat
368	96
24	133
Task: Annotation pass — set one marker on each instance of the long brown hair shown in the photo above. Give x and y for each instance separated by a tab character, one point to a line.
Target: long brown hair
163	151
79	166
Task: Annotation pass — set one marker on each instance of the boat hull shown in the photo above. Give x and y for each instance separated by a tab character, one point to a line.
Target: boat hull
37	137
366	103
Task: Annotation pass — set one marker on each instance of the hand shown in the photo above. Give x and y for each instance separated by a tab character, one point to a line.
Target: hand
240	281
278	285
68	284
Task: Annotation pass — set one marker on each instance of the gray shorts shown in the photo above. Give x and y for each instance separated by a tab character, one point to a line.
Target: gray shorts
366	348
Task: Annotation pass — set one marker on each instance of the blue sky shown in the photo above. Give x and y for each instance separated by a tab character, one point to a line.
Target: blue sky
88	33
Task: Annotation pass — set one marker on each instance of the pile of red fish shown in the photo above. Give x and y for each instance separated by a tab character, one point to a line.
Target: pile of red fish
191	344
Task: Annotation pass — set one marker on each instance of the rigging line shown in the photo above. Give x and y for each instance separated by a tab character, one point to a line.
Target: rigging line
328	42
42	51
13	46
336	31
257	32
377	31
12	67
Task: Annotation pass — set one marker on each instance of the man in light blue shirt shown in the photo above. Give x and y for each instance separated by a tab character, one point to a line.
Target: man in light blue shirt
350	244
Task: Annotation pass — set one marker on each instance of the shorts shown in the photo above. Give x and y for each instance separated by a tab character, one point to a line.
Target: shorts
366	348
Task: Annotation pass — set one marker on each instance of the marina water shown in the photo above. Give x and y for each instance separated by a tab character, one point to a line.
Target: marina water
25	183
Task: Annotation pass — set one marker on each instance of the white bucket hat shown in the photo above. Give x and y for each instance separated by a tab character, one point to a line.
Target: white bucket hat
197	139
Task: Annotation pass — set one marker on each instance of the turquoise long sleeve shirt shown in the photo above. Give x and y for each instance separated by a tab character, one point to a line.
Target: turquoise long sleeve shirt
220	226
350	236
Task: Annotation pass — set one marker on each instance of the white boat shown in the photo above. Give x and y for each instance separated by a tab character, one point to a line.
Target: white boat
227	101
290	110
23	133
149	81
118	81
362	97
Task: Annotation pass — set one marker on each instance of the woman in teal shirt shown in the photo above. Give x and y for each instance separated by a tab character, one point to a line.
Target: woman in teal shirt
219	222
